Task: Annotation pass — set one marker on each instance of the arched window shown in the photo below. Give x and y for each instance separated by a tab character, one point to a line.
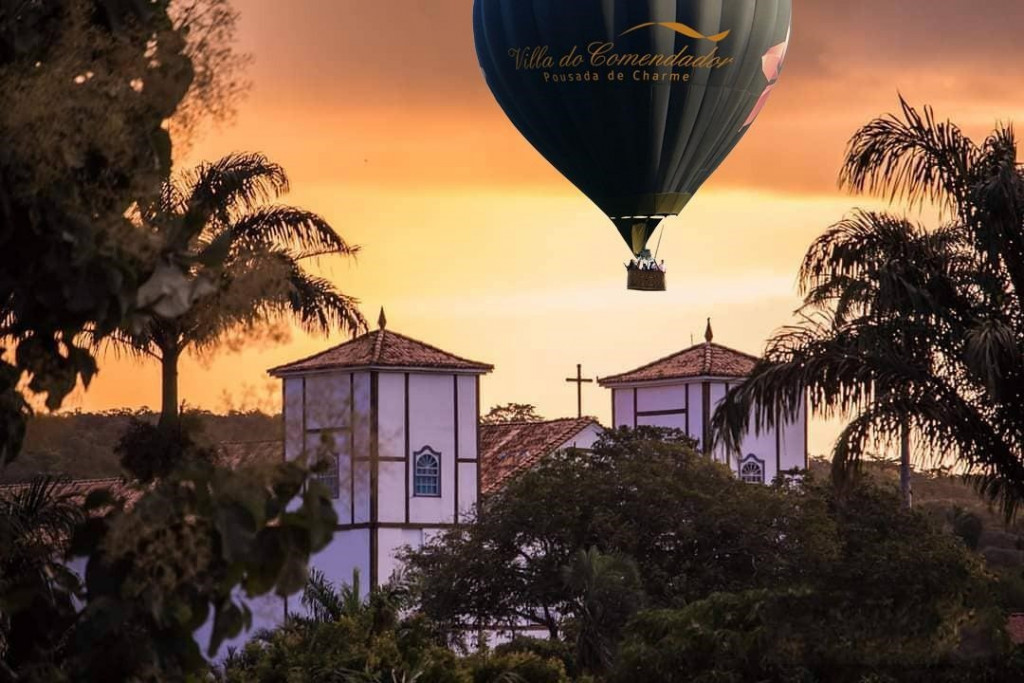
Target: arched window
328	474
427	473
752	470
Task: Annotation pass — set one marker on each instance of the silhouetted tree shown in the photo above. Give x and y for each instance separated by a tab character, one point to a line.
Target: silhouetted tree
511	412
231	261
907	330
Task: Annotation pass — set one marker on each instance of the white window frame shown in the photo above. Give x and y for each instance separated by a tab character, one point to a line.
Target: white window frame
420	473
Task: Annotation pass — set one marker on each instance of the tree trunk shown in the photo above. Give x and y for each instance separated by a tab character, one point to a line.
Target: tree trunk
551	624
906	494
169	387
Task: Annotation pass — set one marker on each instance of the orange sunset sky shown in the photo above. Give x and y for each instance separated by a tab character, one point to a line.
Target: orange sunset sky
472	242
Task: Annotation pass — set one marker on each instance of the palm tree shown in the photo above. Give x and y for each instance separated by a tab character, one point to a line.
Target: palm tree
36	524
326	603
907	330
607	594
242	261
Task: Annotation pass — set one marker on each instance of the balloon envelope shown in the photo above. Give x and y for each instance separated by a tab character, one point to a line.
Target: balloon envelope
637	103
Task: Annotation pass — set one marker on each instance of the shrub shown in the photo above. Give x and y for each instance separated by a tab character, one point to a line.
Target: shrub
524	667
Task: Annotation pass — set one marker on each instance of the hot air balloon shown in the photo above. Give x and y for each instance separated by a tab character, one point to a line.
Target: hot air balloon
636	103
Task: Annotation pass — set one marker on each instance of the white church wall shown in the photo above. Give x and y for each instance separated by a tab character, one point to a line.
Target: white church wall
360	415
696	414
391	415
391	496
361	447
662	399
391	445
431	424
649	399
361	480
468	416
717	391
328	401
666	421
348	550
467	488
622	400
389	542
584	439
794	444
294	440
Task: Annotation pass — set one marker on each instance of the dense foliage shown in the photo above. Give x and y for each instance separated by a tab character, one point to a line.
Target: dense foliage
344	638
842	583
158	561
511	412
909	331
36	589
86	90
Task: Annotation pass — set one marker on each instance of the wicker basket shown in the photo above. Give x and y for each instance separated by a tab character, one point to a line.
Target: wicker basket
646	280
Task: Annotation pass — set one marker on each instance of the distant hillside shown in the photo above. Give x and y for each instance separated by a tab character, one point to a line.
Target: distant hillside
952	503
81	445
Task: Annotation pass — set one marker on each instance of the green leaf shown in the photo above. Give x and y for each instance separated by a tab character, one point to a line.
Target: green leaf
294	574
228	621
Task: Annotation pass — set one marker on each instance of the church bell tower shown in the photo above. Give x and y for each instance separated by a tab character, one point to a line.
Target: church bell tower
396	420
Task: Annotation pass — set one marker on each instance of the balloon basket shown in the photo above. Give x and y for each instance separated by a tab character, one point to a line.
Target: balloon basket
646	280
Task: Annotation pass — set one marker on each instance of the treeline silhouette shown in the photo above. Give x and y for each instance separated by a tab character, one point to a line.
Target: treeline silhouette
81	445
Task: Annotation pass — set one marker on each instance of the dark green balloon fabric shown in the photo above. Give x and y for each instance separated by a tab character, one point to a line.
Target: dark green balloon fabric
637	102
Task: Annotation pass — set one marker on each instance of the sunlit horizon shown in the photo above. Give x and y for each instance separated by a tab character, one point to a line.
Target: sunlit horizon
473	243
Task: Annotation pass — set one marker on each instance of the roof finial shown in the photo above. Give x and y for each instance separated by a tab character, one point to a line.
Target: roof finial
382	321
708	334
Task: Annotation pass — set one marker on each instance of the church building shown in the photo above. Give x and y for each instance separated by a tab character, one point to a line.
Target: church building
398	421
683	390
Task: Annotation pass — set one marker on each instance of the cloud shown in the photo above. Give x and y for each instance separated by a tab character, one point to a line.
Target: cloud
399	83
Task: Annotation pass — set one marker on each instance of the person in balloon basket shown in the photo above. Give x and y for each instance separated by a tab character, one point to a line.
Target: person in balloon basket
646	262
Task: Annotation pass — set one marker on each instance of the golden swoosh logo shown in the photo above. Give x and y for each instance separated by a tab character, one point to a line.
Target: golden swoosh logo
682	29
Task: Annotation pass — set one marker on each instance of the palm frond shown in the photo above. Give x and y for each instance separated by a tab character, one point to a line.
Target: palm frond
42	513
125	344
304	232
839	370
262	288
320	308
321	599
992	353
233	184
913	158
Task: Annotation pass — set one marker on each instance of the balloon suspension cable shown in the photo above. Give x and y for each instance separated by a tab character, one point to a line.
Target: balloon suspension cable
658	248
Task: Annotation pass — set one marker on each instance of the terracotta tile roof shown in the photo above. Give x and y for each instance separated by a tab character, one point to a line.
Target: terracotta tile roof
507	449
381	348
702	360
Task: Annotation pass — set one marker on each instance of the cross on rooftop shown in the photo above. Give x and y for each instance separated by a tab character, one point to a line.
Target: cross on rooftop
579	381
